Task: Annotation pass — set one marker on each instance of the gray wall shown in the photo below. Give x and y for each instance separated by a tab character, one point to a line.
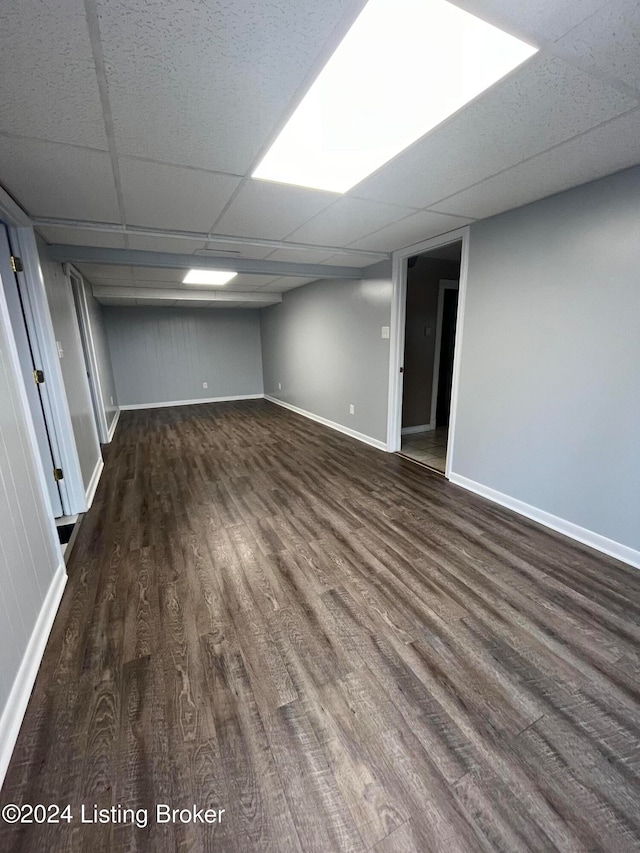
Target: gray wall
28	555
103	357
323	343
549	402
161	355
72	363
423	282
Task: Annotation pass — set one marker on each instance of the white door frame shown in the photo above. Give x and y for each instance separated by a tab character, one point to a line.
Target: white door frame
443	284
398	320
78	286
40	329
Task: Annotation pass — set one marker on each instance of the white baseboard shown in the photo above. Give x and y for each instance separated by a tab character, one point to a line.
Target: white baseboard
573	531
366	439
420	428
18	699
114	424
93	482
130	408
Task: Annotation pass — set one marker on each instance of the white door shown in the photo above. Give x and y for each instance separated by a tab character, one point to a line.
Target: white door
27	366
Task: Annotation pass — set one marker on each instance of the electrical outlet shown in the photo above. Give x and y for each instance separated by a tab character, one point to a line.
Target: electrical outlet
352	409
205	384
385	332
279	386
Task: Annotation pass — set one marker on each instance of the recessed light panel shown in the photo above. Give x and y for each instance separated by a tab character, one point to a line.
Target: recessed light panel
212	277
401	70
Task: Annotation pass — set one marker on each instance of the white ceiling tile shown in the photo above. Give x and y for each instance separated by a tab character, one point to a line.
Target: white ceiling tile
160	196
55	97
544	20
81	237
221	249
203	83
63	181
608	41
271	211
285	283
595	154
346	221
413	229
299	256
542	104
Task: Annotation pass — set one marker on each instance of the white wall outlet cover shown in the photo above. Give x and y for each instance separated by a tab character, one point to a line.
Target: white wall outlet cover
385	331
205	384
279	386
352	409
60	350
111	398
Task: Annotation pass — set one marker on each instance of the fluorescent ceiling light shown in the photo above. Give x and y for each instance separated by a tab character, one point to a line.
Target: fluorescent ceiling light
403	67
208	277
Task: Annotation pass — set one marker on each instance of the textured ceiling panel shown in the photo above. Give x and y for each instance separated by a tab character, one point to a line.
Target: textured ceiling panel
271	211
592	43
158	274
99	281
55	96
49	179
80	237
544	103
205	83
346	221
544	20
160	196
595	154
413	229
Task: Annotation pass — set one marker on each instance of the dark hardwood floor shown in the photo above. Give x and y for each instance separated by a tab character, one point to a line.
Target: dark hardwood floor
336	646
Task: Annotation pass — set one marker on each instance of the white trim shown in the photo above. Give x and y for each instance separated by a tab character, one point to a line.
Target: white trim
568	528
360	436
79	294
134	406
443	285
93	482
421	428
71	488
114	424
18	699
398	318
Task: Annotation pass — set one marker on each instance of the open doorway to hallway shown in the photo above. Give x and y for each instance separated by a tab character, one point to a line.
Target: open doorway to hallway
430	330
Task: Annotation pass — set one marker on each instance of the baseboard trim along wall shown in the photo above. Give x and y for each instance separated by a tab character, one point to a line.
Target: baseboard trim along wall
568	528
366	439
420	428
93	483
20	694
136	406
114	424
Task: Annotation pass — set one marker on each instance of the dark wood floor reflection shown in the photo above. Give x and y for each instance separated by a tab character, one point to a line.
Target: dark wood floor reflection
341	649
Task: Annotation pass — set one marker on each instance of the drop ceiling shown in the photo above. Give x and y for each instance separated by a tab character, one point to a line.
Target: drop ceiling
135	124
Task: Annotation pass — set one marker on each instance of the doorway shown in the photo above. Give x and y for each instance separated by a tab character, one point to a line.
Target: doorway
431	313
31	370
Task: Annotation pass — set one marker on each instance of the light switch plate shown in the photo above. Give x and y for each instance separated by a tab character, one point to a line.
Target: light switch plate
385	331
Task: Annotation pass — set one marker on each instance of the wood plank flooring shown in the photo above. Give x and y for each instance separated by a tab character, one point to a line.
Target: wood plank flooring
336	646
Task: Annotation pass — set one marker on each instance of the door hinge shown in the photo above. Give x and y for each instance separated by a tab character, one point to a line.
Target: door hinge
38	377
16	264
57	474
